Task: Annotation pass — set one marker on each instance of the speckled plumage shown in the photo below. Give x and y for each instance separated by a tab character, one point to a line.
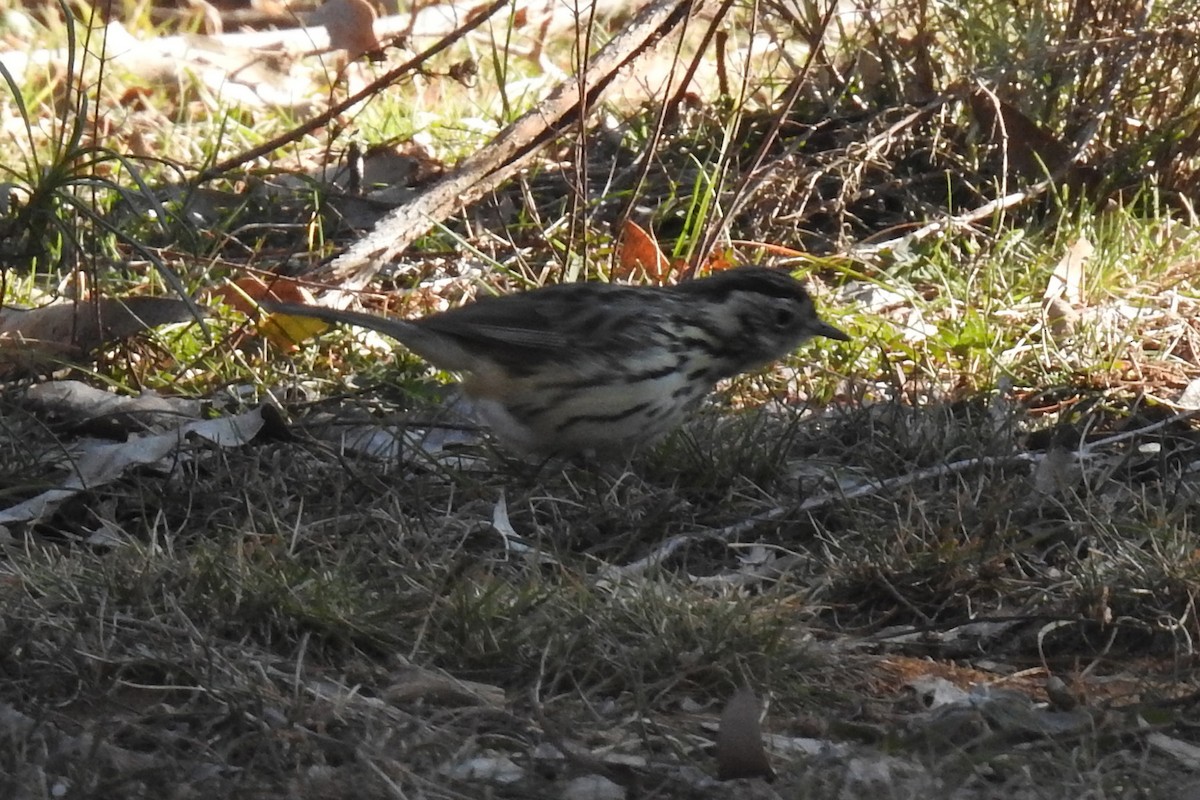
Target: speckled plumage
603	367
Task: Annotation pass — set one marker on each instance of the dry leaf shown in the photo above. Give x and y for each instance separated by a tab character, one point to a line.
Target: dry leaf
1060	318
638	253
42	337
414	684
1032	153
1064	291
286	331
282	330
351	26
1056	472
1190	397
1067	280
98	464
87	407
1061	696
740	751
243	293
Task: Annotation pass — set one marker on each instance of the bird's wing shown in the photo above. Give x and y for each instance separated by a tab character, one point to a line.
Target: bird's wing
559	323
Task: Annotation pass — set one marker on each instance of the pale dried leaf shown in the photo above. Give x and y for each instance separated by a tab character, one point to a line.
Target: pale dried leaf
1061	697
228	431
1186	753
414	684
740	751
592	787
1190	398
1056	472
1061	318
1065	289
88	326
934	692
98	463
351	26
80	403
488	769
107	534
1067	279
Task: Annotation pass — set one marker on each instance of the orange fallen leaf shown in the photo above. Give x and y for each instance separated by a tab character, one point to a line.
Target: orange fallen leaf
639	253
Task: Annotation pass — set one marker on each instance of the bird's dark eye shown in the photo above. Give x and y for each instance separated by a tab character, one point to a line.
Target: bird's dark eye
784	317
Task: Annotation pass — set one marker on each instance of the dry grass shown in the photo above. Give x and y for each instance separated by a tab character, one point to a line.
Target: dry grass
275	621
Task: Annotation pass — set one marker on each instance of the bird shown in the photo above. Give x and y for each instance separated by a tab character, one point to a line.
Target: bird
592	367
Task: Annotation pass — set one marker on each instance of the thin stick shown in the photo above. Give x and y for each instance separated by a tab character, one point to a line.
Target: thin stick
732	532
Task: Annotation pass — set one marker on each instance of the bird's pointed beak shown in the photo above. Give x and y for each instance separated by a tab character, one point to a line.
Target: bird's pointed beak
823	328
